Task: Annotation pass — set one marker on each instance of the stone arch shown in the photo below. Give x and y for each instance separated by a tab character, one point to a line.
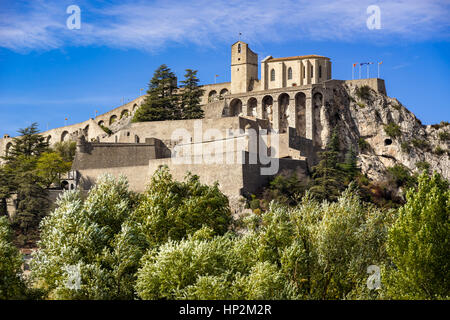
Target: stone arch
135	106
300	114
49	138
101	123
283	108
317	106
64	185
124	113
212	95
86	130
252	103
65	136
224	92
112	119
235	107
8	146
267	108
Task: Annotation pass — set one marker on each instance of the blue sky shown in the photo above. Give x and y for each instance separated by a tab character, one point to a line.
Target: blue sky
48	72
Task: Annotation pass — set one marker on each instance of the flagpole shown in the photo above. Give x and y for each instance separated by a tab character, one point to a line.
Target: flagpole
360	71
368	66
353	71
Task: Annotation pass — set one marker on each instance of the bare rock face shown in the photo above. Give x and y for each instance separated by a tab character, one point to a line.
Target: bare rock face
384	133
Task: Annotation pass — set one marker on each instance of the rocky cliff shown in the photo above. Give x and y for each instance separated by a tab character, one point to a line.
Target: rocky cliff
384	132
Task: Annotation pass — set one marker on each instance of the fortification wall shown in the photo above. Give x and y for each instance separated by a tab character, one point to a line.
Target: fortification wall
375	83
113	155
138	176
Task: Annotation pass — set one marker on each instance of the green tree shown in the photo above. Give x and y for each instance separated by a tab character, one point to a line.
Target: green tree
311	251
11	283
419	242
328	177
349	166
171	209
50	166
191	96
161	100
19	176
66	149
95	237
6	188
29	143
209	269
286	188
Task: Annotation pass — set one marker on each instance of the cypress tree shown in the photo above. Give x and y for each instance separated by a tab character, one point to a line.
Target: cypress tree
190	98
328	177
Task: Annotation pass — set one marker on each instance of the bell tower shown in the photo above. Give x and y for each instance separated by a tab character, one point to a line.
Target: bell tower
244	68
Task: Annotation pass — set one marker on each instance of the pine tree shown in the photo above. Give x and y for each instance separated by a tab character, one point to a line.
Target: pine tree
191	96
29	143
328	177
161	101
18	176
349	166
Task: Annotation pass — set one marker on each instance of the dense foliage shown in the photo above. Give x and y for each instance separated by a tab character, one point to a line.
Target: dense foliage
191	96
419	242
104	236
161	100
165	102
178	241
30	167
310	251
11	283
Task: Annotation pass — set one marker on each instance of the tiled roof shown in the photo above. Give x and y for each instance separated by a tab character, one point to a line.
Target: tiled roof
311	56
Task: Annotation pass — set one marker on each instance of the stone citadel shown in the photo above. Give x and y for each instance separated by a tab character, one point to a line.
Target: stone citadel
296	101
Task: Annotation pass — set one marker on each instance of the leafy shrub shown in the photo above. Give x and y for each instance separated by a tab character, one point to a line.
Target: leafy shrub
361	105
444	136
392	130
11	284
106	129
439	151
363	145
363	92
401	176
286	188
423	165
406	147
421	144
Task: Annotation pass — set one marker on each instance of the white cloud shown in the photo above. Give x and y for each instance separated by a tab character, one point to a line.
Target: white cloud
150	26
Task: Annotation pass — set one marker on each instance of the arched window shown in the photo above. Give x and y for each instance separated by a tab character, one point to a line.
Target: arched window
239	48
112	119
289	73
272	75
320	71
312	71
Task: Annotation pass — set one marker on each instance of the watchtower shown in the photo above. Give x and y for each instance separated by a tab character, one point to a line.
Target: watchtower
244	68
